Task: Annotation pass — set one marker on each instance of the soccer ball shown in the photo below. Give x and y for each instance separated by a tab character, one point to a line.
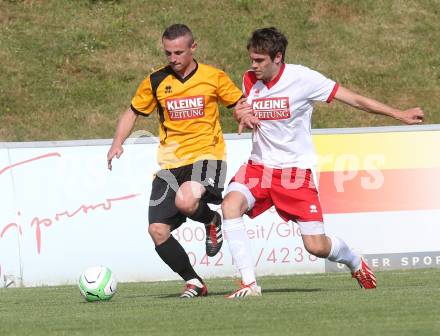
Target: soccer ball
97	284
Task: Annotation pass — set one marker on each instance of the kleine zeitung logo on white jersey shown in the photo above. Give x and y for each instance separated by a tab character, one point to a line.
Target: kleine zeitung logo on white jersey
185	108
271	108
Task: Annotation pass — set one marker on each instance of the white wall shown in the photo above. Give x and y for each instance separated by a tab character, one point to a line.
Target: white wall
63	211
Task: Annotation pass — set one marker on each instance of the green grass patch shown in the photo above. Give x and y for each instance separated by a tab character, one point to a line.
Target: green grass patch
405	303
69	68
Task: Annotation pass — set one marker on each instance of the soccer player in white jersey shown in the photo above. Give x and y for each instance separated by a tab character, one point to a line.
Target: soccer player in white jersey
279	107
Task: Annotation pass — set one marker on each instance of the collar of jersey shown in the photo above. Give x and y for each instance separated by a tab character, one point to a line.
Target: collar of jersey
188	77
270	84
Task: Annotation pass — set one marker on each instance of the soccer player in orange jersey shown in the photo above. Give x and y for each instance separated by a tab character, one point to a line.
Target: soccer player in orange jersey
191	153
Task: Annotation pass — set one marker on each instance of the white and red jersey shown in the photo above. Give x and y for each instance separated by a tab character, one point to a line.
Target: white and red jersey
284	107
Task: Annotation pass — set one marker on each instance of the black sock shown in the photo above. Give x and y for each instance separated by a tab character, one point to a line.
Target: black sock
203	214
173	254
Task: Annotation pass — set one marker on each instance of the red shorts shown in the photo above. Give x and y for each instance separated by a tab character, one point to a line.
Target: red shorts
291	190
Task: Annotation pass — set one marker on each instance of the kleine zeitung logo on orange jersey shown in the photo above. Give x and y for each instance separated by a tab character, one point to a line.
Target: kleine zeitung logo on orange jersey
271	108
185	108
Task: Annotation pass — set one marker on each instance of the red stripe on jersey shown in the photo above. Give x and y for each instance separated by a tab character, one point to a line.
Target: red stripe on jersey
249	79
333	93
270	84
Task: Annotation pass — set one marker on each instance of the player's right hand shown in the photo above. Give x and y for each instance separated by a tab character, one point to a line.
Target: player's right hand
241	109
248	121
244	114
115	150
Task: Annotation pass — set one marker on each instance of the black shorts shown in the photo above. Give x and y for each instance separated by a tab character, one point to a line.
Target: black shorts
162	209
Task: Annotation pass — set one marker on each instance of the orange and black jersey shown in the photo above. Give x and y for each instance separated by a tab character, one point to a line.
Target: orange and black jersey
188	112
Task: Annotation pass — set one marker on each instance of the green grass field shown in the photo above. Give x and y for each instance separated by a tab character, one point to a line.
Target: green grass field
406	303
69	68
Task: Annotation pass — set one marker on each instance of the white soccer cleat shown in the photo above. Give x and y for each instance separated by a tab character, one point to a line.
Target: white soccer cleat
246	290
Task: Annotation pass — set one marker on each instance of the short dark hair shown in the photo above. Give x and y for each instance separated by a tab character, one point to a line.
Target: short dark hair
268	41
177	30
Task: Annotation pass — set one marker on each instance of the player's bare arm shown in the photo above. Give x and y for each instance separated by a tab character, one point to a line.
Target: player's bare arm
123	130
244	115
410	116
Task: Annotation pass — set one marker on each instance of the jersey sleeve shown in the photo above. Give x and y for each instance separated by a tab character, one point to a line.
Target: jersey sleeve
227	91
249	79
318	87
144	101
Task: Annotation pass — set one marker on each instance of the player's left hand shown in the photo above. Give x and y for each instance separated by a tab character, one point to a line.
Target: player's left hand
412	116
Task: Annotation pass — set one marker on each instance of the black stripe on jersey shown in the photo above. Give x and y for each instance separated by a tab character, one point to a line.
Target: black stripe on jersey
183	80
233	105
137	112
156	78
